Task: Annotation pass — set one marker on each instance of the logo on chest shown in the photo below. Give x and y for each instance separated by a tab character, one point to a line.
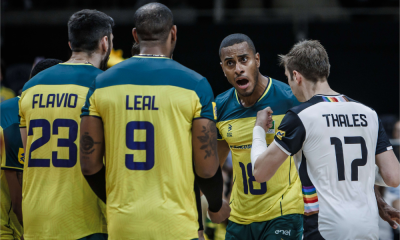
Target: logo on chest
272	129
229	133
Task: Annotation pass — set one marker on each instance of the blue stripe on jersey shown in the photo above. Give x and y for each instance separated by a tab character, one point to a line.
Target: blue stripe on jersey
61	74
149	71
156	71
279	97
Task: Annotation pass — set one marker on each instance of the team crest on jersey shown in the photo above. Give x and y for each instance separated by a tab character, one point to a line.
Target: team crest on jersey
214	110
280	134
229	133
272	129
21	156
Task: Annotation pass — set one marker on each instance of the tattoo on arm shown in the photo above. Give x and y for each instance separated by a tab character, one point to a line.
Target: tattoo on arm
87	144
209	140
19	177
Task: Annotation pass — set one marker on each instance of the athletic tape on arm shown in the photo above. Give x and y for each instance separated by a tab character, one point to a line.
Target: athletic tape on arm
259	144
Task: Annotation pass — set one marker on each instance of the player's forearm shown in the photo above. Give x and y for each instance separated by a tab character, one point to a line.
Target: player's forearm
268	163
212	188
14	180
23	137
389	168
223	151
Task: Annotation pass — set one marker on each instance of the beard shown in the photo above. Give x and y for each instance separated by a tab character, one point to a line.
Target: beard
103	63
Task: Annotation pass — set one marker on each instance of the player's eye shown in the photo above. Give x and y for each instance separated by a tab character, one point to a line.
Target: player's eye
244	59
230	63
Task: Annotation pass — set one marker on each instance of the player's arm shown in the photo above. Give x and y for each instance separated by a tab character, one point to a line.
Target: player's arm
24	137
288	140
389	168
14	180
223	151
208	172
13	168
386	212
91	154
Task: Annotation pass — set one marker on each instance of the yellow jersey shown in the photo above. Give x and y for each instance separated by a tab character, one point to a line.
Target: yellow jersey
12	158
57	202
147	105
251	201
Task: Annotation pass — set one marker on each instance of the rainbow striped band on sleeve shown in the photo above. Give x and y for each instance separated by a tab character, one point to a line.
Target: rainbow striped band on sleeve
335	99
311	205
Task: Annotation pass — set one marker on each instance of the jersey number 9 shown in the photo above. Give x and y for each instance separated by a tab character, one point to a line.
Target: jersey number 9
148	145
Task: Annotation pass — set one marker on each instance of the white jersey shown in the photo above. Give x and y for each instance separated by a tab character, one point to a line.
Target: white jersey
334	141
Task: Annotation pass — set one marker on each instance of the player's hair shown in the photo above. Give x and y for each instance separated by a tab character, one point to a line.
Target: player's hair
309	58
153	22
235	39
86	28
43	65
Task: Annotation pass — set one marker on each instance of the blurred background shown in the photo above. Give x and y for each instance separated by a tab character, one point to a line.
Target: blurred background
360	36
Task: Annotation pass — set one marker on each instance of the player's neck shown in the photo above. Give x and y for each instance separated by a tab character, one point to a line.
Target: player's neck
83	57
154	50
258	92
320	87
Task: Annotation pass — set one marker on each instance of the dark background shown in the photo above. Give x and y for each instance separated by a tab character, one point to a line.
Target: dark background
363	50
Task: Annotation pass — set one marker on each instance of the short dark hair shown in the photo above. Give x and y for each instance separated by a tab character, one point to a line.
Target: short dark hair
43	65
86	28
153	22
309	58
235	39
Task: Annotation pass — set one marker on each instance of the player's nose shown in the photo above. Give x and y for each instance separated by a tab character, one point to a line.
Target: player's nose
239	69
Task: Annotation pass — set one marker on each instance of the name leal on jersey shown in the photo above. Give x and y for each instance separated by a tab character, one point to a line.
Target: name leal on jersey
345	120
54	100
138	102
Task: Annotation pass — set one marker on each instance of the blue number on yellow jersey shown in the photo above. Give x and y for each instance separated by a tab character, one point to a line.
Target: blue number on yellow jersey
12	158
250	200
147	106
57	201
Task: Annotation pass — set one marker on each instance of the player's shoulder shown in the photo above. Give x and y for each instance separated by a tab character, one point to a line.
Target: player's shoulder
65	73
150	71
226	105
9	112
224	97
282	91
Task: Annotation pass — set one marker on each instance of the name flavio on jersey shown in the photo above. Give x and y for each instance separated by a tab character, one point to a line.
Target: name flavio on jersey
54	100
345	120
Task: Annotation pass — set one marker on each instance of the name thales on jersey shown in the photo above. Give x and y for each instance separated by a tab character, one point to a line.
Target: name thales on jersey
346	120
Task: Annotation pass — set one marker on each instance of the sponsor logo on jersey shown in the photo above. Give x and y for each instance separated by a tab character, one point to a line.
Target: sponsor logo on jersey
283	232
272	129
280	134
229	133
214	110
21	156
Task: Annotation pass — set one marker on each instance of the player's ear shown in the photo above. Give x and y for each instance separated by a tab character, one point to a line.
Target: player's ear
174	31
104	43
222	68
135	36
258	59
297	77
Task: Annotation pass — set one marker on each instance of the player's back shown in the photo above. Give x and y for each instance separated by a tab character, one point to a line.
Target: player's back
337	163
12	158
147	105
57	201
